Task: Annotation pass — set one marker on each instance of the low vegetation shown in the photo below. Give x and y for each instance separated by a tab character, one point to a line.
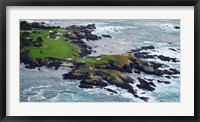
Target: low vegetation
104	59
42	46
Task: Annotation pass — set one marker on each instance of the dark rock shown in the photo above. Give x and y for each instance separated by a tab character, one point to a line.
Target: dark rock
157	65
127	69
55	64
89	47
93	82
143	98
145	85
110	90
149	79
78	41
172	49
73	27
115	30
121	83
143	48
72	75
79	34
84	49
175	71
147	47
174	60
144	55
126	79
168	77
134	50
36	63
106	36
71	35
91	26
175	76
93	37
115	66
165	58
136	71
165	82
85	86
149	67
176	27
152	84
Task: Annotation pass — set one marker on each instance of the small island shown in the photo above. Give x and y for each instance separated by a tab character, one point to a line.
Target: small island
53	47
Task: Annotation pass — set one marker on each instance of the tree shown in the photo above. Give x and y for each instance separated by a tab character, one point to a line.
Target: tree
36	25
25	25
39	40
53	35
25	41
25	34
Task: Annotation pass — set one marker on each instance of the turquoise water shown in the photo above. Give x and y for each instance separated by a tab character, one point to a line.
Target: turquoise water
47	85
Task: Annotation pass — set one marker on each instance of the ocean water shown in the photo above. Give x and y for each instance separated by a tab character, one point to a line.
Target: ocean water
47	85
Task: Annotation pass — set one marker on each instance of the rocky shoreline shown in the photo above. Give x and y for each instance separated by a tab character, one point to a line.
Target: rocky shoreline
38	62
111	71
75	36
144	54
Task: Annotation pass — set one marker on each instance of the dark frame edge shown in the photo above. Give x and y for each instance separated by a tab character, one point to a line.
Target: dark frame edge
4	118
101	2
3	62
196	60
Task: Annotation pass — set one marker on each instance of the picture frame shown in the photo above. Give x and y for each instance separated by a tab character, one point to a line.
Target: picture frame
3	102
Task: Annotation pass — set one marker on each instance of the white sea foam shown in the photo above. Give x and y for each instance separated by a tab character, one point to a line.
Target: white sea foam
126	35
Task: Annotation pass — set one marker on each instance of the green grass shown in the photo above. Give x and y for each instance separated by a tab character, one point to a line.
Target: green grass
58	48
89	61
94	60
62	49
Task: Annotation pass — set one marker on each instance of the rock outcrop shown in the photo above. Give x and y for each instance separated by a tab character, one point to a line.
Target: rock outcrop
81	32
93	78
145	85
106	36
